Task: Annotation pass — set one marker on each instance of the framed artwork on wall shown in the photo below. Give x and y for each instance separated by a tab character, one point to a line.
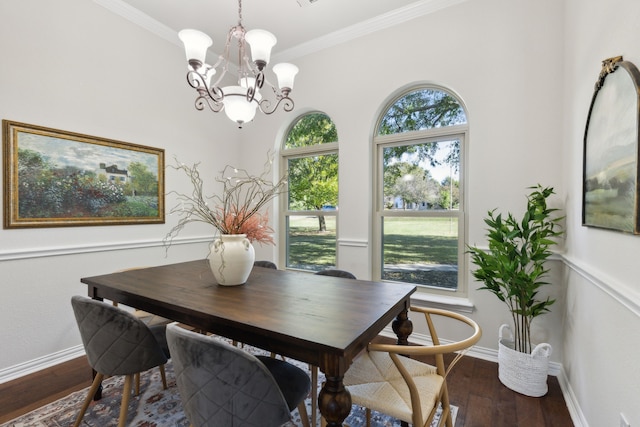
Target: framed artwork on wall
55	178
610	165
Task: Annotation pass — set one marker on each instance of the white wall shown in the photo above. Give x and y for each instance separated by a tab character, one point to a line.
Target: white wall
75	66
601	343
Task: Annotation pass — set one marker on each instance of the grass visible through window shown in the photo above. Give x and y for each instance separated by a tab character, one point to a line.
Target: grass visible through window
423	251
310	249
416	250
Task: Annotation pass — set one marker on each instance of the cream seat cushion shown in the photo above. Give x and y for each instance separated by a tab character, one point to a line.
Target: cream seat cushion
374	382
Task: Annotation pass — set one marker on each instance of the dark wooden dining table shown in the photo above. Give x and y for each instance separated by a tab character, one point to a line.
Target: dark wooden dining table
322	320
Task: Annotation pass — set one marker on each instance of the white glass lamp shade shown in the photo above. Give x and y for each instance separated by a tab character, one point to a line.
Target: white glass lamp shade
286	73
236	106
195	44
261	42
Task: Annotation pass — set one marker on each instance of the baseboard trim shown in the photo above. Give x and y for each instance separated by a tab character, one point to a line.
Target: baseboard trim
23	369
577	416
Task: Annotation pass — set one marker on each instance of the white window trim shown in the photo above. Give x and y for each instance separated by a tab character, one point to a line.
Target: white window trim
425	295
292	153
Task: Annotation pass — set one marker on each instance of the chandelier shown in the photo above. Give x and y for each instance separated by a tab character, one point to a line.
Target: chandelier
241	100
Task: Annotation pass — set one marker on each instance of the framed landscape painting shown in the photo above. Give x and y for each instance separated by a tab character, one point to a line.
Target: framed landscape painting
610	170
55	178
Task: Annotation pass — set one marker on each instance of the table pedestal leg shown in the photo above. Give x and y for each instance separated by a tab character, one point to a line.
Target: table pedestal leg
334	401
403	327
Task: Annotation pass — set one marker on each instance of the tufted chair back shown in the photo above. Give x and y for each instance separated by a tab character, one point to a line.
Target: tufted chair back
116	343
222	385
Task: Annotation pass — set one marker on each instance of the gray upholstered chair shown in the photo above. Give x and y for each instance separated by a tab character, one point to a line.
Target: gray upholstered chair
384	379
157	323
265	264
336	273
222	385
117	343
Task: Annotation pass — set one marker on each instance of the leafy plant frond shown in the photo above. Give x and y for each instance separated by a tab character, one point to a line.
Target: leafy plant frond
513	268
236	210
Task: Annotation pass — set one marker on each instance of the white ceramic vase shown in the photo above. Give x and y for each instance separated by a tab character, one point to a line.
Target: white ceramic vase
231	259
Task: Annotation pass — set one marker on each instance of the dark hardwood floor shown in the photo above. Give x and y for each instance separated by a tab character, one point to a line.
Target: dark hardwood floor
473	386
25	394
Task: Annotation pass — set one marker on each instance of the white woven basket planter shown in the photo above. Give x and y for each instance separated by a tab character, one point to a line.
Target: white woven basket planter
522	372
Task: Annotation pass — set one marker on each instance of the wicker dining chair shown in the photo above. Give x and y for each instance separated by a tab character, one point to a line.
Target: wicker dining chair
387	380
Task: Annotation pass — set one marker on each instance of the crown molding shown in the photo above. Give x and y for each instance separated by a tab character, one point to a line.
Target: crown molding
141	19
389	19
380	22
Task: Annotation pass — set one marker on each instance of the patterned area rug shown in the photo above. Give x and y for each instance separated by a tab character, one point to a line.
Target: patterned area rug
156	407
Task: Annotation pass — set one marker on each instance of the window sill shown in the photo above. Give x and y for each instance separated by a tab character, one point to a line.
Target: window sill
423	299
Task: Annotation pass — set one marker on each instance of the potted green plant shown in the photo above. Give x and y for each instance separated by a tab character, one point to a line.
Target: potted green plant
514	270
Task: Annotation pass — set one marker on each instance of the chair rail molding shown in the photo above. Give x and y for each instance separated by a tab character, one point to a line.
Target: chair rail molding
607	285
19	254
354	243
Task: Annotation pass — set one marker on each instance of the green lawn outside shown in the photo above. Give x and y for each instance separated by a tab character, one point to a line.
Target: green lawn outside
428	244
310	249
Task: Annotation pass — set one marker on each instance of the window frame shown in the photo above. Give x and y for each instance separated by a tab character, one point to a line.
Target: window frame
379	143
294	153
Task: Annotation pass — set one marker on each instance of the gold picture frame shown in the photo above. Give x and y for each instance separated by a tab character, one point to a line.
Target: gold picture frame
56	178
611	140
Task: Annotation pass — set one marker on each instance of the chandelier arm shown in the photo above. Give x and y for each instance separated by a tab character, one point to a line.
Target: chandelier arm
251	93
250	66
218	62
199	83
194	79
257	84
287	105
216	85
203	100
260	79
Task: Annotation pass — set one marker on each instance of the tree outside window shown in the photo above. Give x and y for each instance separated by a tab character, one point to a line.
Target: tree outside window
310	155
418	214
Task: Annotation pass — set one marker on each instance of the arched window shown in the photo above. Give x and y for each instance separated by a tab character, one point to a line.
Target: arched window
309	213
419	205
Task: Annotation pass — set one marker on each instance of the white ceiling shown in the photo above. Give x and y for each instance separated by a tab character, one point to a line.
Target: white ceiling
300	29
